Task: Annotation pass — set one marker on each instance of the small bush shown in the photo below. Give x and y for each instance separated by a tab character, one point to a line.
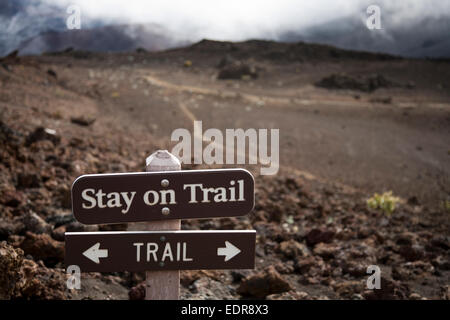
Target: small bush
385	202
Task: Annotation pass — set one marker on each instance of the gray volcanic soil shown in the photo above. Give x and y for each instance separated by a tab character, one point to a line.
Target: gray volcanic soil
377	123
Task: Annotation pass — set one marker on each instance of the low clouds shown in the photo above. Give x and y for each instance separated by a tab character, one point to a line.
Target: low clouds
239	20
411	27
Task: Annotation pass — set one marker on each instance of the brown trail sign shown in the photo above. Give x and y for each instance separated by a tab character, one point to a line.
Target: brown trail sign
160	250
161	197
150	196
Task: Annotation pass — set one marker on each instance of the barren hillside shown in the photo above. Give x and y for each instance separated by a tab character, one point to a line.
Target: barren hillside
351	124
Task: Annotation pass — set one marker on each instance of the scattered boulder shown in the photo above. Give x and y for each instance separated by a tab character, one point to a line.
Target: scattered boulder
326	251
42	133
316	236
406	239
441	263
439	242
41	283
303	264
43	247
355	269
226	61
239	275
52	73
389	290
10	227
291	249
137	292
209	289
412	253
284	267
59	233
83	120
8	136
28	180
237	70
343	81
347	289
264	283
35	224
190	276
11	198
60	219
10	263
22	278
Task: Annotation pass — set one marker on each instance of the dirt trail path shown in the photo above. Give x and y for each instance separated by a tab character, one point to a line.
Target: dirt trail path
351	142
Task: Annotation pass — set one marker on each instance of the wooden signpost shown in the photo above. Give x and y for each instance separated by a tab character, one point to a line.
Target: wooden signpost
161	197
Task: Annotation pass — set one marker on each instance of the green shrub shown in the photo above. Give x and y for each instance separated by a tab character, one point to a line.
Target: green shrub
385	202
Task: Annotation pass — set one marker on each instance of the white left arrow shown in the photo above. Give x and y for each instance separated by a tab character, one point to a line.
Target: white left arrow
94	253
229	251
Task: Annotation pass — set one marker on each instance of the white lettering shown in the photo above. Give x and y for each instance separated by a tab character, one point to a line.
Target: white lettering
86	197
138	246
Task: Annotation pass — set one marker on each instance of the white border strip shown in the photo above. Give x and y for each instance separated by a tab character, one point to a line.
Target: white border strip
157	232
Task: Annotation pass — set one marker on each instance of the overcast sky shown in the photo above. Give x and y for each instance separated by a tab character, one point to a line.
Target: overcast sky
242	19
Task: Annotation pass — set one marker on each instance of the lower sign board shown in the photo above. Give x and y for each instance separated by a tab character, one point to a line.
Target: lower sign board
160	250
148	196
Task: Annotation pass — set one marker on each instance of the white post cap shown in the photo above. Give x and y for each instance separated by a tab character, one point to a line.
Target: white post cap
162	160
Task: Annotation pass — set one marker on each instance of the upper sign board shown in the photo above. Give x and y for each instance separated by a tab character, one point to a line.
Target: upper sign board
148	196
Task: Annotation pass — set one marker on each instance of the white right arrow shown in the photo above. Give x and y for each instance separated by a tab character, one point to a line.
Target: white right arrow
94	253
229	251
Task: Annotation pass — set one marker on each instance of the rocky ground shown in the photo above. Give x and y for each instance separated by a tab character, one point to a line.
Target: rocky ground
70	113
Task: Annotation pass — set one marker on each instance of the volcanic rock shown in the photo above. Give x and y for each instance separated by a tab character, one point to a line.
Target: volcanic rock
344	81
389	290
237	70
137	292
326	251
59	233
291	249
83	120
316	236
28	180
209	289
35	224
303	264
10	227
24	279
11	198
43	247
60	219
347	289
263	284
10	263
411	253
42	133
